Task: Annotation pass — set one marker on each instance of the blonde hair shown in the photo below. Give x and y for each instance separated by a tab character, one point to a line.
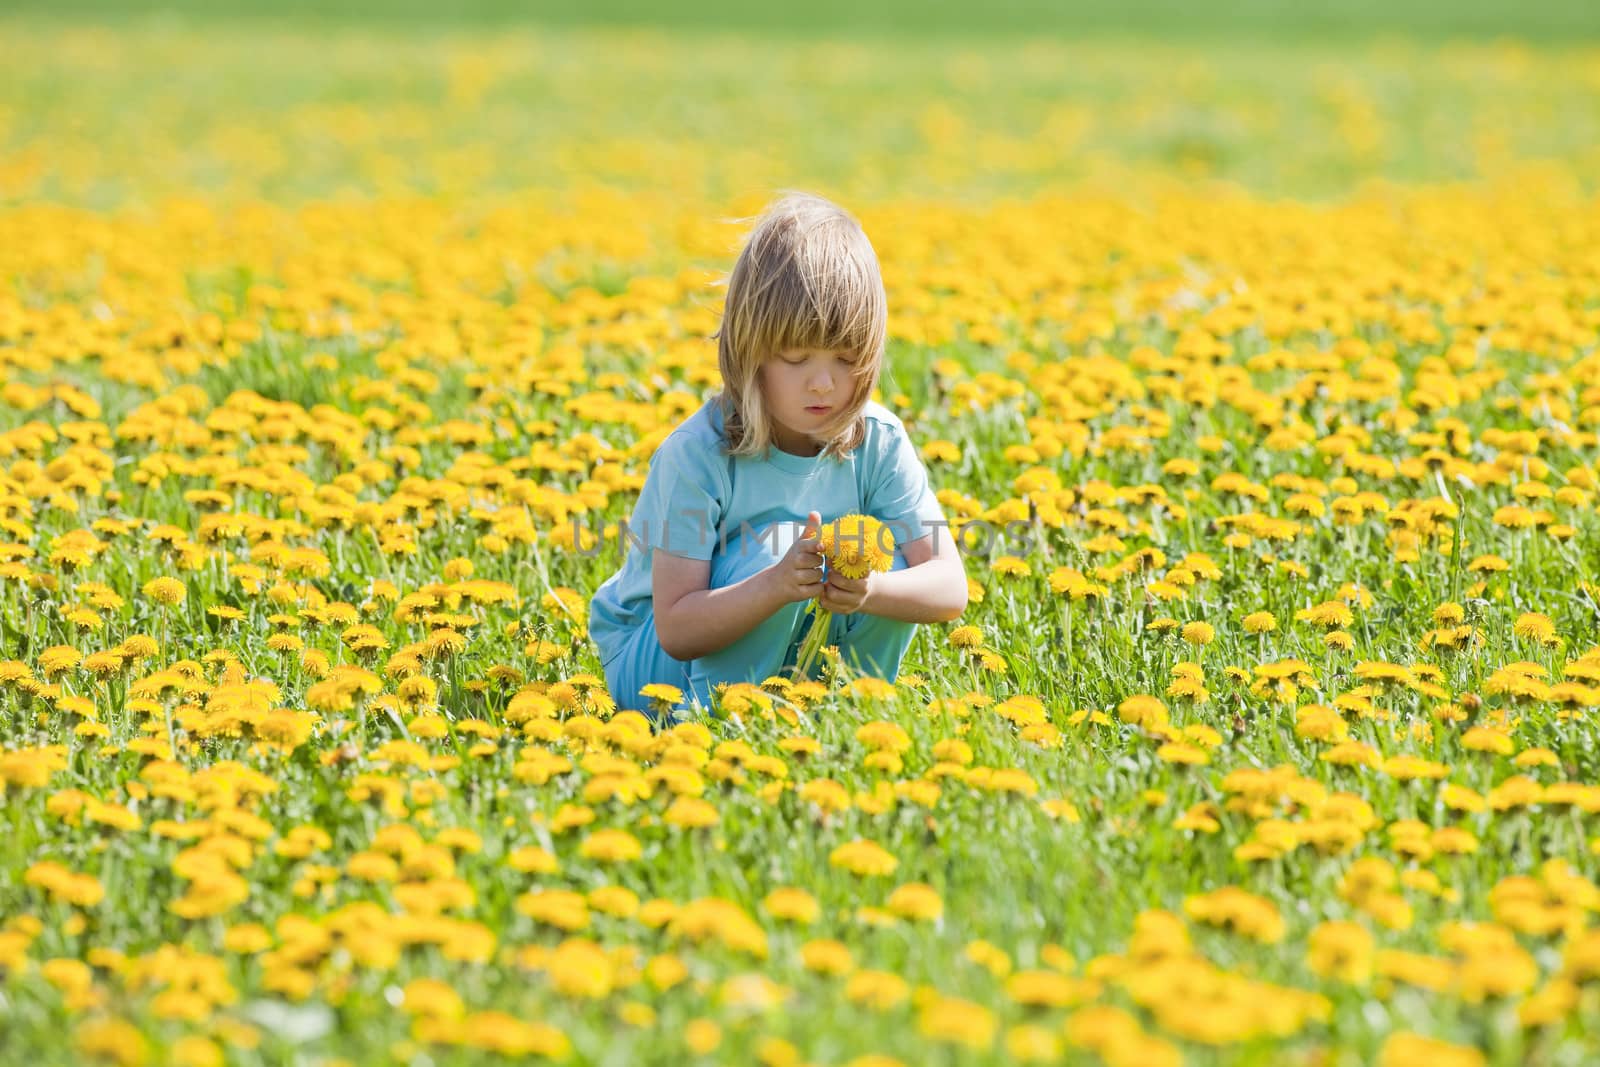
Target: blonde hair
806	278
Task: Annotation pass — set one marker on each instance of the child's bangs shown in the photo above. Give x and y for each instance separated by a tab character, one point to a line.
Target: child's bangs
840	310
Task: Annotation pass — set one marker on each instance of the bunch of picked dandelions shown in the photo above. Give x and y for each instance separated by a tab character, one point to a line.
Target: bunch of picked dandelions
855	546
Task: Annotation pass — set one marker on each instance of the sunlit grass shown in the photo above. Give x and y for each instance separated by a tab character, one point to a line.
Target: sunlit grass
1267	744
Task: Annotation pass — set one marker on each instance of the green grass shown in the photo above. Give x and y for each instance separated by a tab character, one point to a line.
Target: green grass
423	191
465	114
1545	20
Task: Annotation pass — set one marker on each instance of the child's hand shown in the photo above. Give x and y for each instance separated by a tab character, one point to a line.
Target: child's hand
798	575
845	596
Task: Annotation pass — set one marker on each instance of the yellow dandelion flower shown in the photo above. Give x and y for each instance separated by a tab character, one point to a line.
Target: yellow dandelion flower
168	591
1011	566
610	846
864	858
916	900
792	904
660	692
854	545
1405	1049
965	637
1333	614
690	813
1533	626
1259	622
58	659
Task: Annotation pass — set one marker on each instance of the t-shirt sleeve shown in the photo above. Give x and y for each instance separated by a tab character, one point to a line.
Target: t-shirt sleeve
680	507
900	495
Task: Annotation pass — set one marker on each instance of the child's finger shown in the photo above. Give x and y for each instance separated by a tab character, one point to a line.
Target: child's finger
813	524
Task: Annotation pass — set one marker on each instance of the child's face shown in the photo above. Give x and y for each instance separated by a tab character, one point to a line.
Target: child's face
805	390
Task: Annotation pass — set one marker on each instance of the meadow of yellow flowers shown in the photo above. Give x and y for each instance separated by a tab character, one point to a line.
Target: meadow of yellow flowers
330	366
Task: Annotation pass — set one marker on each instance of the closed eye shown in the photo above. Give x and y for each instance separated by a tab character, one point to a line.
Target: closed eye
848	359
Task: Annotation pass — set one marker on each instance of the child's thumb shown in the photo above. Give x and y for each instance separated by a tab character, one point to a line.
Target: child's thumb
813	524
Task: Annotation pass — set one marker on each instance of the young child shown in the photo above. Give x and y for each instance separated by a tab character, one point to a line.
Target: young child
722	552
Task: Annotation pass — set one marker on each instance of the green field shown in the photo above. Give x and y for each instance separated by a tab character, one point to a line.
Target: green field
293	115
325	340
896	20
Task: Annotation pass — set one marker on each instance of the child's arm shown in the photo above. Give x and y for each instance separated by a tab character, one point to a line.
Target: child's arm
694	621
932	587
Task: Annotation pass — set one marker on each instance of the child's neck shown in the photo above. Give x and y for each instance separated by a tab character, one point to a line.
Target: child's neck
804	447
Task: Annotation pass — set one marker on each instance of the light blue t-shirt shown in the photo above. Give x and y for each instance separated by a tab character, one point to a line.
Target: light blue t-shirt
696	500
